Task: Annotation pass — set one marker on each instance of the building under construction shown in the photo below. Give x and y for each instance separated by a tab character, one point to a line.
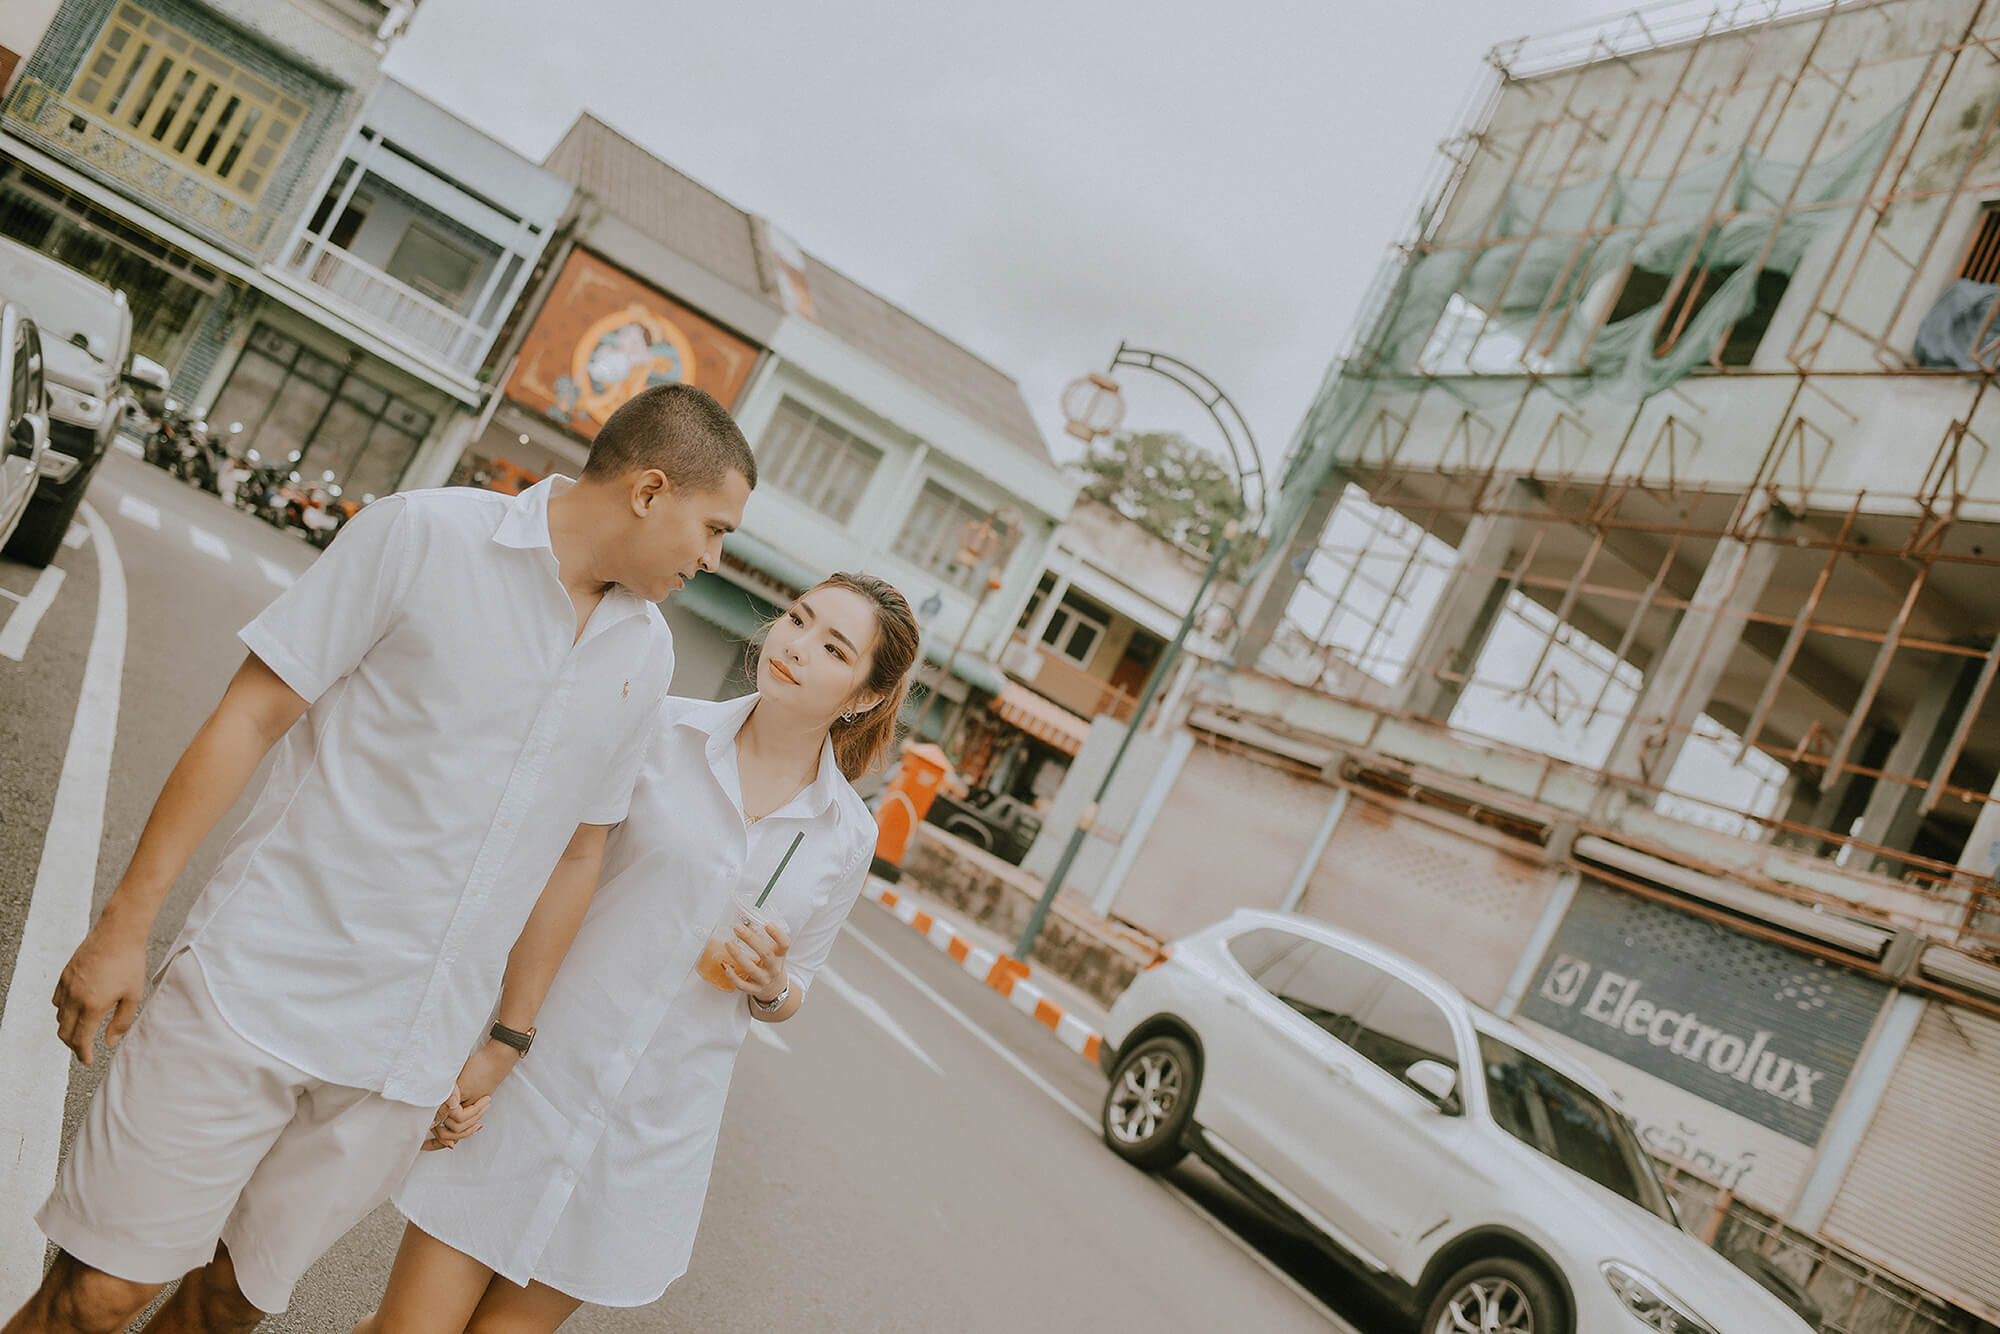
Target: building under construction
1627	642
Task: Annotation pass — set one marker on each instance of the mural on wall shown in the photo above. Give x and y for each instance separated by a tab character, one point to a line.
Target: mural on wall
603	336
1728	1051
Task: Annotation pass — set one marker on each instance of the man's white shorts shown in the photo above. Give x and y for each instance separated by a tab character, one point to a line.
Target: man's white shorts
198	1136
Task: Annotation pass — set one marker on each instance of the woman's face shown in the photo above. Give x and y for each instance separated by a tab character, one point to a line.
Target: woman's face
818	655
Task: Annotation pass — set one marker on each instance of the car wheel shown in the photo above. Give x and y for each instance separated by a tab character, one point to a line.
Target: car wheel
1496	1296
44	524
1149	1103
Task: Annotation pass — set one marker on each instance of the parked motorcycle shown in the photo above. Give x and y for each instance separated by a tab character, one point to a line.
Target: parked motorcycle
265	488
316	509
232	469
162	448
200	459
252	484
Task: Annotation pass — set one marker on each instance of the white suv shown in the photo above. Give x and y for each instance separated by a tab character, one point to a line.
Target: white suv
1326	1076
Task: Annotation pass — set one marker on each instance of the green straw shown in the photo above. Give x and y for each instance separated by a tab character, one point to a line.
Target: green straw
781	867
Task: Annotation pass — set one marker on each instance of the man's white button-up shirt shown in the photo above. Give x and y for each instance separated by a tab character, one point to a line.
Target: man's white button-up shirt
459	731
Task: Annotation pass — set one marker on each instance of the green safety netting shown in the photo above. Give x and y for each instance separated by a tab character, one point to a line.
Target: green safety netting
1467	312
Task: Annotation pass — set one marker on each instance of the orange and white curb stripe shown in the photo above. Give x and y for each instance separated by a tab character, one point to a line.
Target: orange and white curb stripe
1004	973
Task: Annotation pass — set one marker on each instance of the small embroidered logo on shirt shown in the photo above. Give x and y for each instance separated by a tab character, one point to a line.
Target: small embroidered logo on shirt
626	691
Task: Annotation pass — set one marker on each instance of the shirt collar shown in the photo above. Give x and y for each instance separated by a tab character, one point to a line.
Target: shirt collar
526	523
722	720
525	527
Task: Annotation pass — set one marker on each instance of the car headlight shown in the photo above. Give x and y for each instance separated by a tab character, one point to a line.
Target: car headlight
1647	1298
82	407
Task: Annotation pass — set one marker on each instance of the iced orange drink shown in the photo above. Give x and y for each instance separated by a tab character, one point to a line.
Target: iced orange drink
716	965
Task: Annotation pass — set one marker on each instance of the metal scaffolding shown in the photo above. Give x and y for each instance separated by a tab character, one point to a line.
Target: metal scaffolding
1674	310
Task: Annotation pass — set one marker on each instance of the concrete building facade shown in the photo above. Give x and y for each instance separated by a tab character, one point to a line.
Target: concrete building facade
882	445
1625	646
318	255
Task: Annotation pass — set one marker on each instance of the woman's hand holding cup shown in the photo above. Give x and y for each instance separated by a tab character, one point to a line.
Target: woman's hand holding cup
757	959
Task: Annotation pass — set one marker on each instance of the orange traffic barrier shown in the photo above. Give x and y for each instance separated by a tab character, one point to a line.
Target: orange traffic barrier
908	799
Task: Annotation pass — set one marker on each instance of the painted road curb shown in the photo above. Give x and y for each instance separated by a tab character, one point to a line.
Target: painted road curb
1004	973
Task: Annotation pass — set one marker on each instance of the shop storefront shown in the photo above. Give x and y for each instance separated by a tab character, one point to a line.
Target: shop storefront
349	415
1923	1193
1020	744
169	293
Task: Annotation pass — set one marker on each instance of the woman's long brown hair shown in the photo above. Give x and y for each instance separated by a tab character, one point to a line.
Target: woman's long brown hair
860	746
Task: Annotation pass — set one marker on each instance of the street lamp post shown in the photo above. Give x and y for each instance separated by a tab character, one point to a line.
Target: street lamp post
1093	408
984	548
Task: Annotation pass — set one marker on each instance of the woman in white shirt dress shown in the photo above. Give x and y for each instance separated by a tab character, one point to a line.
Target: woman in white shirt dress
582	1180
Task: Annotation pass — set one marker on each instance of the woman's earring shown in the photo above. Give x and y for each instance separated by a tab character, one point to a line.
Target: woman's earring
848	717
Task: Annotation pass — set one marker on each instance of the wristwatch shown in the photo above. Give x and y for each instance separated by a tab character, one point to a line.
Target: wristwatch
513	1037
773	1006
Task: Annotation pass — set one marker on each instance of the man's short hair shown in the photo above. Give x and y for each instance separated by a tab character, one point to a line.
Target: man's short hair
679	429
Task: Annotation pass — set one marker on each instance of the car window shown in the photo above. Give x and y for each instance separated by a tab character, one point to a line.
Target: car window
1258	949
1405	1026
1552	1113
1326	986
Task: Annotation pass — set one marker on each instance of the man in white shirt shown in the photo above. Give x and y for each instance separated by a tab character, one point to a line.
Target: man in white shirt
461	690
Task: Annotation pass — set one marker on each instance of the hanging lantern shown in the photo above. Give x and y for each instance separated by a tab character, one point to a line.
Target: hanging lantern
1092	407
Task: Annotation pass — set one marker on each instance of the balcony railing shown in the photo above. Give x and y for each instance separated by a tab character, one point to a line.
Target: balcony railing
1059	679
399	310
38	113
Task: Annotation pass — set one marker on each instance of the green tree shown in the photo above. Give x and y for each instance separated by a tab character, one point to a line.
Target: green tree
1167	485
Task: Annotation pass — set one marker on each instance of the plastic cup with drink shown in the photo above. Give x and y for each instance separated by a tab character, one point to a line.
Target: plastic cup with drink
717	965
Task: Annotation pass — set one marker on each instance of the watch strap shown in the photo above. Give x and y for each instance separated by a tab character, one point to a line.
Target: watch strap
513	1037
773	1006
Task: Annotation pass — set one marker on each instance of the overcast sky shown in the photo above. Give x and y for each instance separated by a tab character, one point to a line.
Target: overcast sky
1038	179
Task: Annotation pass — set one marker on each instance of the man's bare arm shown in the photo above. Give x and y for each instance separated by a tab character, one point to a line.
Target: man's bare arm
532	964
544	942
107	974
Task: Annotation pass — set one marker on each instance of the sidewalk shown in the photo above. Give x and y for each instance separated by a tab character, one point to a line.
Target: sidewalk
1073	999
1099	956
973	906
1047	1000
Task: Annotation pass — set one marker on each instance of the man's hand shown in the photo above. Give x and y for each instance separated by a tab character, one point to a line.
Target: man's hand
106	975
459	1116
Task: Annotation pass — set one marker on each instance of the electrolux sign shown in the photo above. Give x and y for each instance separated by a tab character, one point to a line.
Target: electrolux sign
1764	1031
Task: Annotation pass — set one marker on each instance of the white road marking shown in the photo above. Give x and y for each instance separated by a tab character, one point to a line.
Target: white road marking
992	1043
125	444
207	543
37	1066
275	572
875	1012
1064	1101
767	1035
21	625
138	511
76	536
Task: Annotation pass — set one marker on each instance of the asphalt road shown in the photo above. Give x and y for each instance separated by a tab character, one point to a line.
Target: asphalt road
908	1154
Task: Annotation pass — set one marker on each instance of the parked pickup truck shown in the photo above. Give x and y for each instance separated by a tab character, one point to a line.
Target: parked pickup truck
989	820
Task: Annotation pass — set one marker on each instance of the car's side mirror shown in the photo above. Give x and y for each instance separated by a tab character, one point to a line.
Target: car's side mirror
1436	1081
150	395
